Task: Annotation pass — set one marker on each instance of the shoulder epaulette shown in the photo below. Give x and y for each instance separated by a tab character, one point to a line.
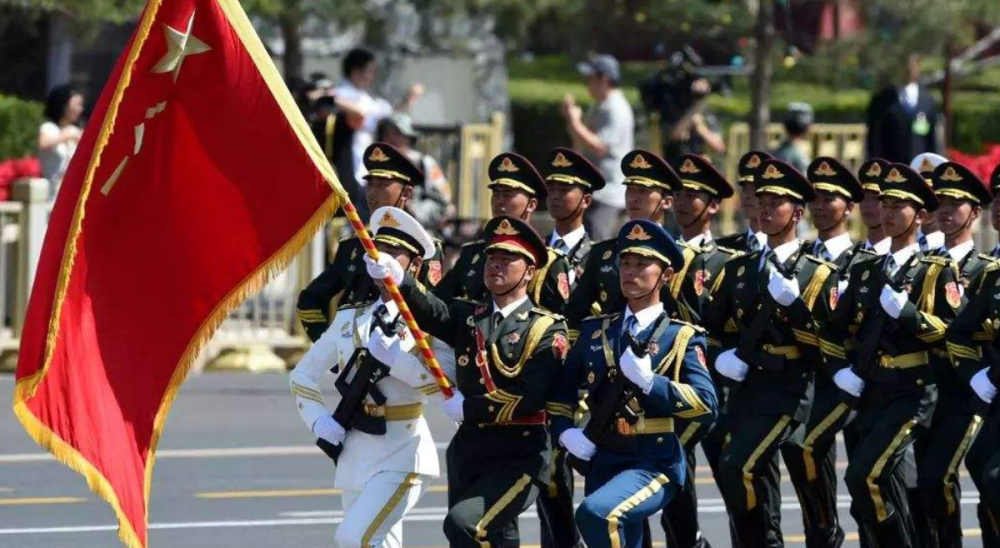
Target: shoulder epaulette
348	237
468	301
602	316
689	246
730	251
936	259
544	312
867	251
995	265
817	260
697	328
557	252
989	258
473	242
602	242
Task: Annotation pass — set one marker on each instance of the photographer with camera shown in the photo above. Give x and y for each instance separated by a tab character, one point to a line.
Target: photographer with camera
680	96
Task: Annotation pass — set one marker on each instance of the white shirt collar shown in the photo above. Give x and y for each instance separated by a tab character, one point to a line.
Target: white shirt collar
900	257
389	306
961	250
644	317
761	237
704	238
881	247
510	308
571	239
935	240
837	245
782	252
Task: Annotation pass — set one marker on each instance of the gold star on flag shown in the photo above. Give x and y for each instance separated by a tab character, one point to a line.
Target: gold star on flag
179	45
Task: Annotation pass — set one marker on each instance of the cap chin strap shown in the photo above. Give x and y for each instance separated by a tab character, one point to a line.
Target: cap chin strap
698	218
965	225
573	214
513	287
657	287
791	220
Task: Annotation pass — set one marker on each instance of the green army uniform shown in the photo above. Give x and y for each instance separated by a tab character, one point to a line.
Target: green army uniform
555	503
956	421
598	290
812	465
972	346
778	348
549	288
893	359
344	282
687	297
749	166
498	460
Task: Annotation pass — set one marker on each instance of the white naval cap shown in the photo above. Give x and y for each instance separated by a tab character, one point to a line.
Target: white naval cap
397	227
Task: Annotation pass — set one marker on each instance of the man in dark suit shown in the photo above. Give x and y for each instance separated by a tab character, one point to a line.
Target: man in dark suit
902	119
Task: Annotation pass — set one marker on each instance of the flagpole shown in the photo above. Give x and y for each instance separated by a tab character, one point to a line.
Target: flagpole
425	350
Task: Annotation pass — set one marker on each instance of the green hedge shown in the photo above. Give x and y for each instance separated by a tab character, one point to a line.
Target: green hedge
19	121
538	125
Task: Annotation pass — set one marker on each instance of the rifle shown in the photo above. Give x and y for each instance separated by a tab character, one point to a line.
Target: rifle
614	406
749	347
354	392
866	365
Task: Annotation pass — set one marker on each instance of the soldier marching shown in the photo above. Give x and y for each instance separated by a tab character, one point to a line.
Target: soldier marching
614	360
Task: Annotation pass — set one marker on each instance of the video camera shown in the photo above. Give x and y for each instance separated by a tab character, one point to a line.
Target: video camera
669	90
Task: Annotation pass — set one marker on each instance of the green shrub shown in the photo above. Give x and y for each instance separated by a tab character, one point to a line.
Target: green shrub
19	121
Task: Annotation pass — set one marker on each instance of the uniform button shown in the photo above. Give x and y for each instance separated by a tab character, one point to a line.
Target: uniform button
920	382
659	440
526	433
482	381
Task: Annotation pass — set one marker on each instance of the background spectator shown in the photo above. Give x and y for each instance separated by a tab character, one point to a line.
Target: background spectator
604	136
431	203
697	131
902	120
60	133
794	150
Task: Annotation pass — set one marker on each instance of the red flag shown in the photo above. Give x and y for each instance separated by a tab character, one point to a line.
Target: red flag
196	181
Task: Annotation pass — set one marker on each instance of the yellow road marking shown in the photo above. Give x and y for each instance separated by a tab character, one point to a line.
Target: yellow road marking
40	500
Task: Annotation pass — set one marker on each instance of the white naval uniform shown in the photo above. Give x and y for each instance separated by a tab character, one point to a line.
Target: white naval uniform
381	477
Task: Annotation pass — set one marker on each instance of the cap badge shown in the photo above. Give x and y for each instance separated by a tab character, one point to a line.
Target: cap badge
508	166
951	175
772	172
926	165
637	233
824	170
561	161
378	156
506	229
753	162
875	170
689	167
388	221
895	176
639	162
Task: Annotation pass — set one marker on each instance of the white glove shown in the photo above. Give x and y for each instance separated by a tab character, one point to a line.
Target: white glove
849	382
893	301
638	370
783	290
983	387
384	349
453	407
386	266
330	430
577	443
728	365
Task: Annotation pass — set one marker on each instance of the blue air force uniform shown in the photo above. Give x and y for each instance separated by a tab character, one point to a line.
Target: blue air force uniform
638	465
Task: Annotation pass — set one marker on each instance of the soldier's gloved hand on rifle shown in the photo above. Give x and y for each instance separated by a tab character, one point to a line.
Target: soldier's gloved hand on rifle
577	443
453	406
638	370
729	366
783	290
849	382
385	267
330	430
384	348
893	301
983	387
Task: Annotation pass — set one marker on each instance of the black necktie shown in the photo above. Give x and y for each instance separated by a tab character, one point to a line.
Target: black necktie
752	242
497	318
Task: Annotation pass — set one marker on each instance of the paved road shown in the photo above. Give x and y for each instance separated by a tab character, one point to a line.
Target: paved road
237	468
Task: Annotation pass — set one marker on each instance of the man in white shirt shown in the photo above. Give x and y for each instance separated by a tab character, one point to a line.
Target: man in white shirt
604	135
365	111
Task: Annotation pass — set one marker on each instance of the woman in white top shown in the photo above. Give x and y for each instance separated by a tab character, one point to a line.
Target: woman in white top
382	476
59	134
